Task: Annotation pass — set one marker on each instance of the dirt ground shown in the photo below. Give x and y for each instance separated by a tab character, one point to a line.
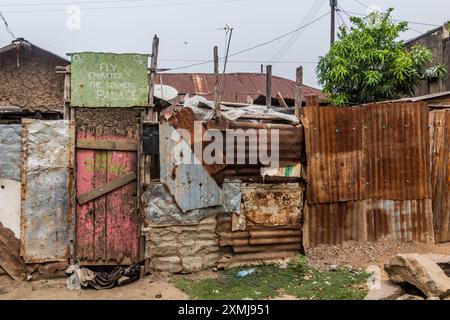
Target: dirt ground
155	287
368	254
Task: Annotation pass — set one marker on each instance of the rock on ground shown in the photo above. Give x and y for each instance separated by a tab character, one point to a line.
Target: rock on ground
421	272
386	291
409	297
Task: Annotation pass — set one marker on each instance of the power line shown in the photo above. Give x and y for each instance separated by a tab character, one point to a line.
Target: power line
362	3
178	4
242	61
7	26
293	39
396	20
255	46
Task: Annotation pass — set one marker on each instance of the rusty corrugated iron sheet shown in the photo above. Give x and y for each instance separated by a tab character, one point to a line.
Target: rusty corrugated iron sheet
272	228
368	173
379	151
257	243
47	164
239	87
440	172
368	220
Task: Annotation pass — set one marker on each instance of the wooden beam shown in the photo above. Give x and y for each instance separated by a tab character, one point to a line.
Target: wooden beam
150	115
269	86
66	111
106	188
281	100
107	145
217	109
298	91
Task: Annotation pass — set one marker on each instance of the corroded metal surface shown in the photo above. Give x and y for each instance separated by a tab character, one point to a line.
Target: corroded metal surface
189	183
10	151
440	172
257	243
272	205
378	151
368	220
47	190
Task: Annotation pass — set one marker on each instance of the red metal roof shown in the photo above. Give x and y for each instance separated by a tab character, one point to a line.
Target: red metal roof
238	87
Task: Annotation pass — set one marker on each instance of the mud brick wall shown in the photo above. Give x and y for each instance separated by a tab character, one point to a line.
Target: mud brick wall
34	84
182	249
108	121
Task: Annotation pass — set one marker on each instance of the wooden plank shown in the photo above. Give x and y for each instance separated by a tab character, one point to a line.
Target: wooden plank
107	145
84	217
281	100
10	260
101	158
106	188
122	225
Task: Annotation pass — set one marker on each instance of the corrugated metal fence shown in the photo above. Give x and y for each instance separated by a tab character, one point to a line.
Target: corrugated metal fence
368	173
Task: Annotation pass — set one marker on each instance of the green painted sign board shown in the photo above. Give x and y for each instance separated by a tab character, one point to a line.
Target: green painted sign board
109	80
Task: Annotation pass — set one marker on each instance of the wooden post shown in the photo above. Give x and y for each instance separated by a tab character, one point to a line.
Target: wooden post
66	111
217	110
150	114
298	91
269	86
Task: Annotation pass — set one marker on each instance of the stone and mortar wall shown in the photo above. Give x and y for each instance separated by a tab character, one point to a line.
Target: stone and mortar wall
182	248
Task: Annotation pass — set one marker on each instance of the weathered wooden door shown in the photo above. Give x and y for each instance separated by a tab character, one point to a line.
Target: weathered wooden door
107	224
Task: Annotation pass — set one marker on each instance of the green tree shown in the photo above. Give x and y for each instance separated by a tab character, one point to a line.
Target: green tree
368	63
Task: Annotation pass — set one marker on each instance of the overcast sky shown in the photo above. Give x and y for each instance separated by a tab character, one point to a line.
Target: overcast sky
188	29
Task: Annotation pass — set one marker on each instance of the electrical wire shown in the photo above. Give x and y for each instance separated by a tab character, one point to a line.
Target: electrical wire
8	29
317	5
362	3
241	61
177	4
255	46
396	20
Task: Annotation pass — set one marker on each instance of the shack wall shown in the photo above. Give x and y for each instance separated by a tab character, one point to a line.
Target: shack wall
29	80
368	173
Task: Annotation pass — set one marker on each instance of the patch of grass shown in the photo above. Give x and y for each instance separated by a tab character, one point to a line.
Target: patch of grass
269	281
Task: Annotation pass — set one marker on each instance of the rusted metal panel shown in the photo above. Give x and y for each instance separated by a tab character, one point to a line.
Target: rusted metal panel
440	172
107	228
272	205
46	217
379	151
335	156
189	183
238	86
257	243
10	151
368	220
396	146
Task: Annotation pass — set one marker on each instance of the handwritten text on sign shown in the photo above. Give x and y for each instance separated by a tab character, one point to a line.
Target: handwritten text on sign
109	80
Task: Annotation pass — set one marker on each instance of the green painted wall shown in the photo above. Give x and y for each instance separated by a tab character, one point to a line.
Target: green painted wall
109	80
